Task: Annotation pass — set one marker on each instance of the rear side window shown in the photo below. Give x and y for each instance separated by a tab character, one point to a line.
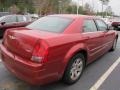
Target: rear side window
102	26
51	24
89	26
21	19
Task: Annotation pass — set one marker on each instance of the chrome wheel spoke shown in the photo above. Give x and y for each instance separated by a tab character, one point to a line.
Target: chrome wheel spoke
76	74
79	64
72	75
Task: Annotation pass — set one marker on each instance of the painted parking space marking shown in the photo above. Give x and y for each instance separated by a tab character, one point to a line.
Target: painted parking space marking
101	80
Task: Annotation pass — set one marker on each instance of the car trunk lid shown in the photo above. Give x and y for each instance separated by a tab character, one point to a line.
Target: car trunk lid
22	42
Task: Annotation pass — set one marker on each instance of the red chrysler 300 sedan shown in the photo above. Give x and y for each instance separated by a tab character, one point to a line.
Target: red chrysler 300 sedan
56	47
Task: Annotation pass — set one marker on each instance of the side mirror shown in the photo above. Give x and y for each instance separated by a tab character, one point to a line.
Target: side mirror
3	23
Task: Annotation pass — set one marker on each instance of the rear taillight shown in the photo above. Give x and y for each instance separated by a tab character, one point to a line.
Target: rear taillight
40	52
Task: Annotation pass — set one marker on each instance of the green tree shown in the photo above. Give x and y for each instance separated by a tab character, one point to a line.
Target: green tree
21	4
104	2
45	7
88	9
71	9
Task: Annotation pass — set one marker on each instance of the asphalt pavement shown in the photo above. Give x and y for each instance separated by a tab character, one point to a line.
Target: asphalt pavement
91	75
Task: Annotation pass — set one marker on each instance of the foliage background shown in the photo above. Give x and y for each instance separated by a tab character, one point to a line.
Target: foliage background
44	7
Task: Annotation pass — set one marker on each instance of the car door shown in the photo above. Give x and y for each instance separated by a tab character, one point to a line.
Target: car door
94	39
22	21
9	22
108	35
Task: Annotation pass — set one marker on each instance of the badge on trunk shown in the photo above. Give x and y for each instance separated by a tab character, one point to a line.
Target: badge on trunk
11	37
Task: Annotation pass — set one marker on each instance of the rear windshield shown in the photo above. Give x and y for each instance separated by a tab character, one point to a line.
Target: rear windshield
51	24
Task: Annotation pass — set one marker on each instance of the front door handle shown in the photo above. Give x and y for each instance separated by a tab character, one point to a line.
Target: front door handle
86	38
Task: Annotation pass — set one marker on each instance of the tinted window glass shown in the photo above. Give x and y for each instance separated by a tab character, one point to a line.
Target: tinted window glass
89	26
9	19
101	25
21	19
28	18
51	24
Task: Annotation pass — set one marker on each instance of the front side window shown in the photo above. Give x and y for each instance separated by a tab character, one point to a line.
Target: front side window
101	25
89	26
51	24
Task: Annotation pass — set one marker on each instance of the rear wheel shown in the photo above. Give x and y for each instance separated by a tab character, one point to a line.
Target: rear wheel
74	69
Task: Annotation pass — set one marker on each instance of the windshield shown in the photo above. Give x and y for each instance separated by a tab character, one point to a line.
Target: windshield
1	18
51	24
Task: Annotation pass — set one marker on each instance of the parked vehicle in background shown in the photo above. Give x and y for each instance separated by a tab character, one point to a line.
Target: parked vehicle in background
116	24
108	21
13	21
34	16
56	47
4	13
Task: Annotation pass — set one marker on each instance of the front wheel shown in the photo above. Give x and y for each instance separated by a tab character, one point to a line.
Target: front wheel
114	45
74	69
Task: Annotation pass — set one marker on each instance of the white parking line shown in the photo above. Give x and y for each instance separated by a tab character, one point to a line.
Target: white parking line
105	76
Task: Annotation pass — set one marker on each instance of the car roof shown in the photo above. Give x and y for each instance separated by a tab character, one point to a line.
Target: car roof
14	15
74	16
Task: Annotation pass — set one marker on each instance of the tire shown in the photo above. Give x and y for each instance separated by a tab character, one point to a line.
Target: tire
74	69
114	45
1	33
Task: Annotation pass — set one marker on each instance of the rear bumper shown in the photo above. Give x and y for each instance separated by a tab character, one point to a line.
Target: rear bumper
32	73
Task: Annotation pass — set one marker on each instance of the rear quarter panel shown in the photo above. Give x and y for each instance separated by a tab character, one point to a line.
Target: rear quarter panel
62	49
